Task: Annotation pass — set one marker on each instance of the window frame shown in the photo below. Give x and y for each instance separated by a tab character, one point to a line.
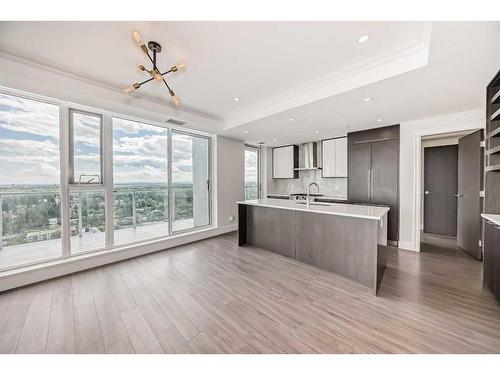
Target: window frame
71	146
259	169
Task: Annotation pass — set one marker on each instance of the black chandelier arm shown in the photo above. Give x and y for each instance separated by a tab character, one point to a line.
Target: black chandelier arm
168	71
146	81
166	84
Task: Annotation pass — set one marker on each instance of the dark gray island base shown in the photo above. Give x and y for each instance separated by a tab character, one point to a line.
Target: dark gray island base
349	240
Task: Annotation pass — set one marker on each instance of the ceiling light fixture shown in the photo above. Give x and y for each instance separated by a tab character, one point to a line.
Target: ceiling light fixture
291	119
245	131
380	120
368	99
236	99
364	38
316	132
275	140
154	72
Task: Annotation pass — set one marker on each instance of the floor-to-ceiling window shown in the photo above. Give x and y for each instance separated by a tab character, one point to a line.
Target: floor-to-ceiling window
252	190
77	179
30	221
140	181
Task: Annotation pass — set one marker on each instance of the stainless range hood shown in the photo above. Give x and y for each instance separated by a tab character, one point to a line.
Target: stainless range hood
308	157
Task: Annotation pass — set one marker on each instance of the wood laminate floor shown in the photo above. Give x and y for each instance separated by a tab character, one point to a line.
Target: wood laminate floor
213	297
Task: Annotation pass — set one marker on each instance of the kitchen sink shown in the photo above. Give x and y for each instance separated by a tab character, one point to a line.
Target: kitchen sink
314	203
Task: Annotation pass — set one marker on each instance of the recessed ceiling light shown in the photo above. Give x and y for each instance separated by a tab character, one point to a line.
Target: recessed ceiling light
245	131
236	99
316	132
291	119
275	140
364	38
368	99
380	120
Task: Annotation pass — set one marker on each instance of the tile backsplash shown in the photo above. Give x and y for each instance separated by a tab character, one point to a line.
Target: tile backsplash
332	187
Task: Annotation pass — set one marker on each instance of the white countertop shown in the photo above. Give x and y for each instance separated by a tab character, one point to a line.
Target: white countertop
319	197
341	209
494	218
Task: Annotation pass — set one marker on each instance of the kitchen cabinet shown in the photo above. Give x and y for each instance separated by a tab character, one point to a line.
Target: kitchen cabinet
334	157
373	164
285	159
491	275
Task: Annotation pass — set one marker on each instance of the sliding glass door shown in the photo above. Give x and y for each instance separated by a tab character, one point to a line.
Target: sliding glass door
190	181
140	181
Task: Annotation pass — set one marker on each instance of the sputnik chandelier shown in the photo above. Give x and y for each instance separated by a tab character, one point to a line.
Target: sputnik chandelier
154	73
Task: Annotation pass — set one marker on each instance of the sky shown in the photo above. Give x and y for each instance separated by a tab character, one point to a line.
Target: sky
29	147
250	167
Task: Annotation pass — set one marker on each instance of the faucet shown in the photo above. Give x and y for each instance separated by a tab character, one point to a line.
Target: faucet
309	191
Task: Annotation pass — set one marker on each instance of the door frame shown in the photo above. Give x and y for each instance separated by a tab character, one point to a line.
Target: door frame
417	168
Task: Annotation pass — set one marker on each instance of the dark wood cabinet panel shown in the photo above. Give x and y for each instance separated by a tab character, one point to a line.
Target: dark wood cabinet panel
333	243
491	275
489	255
359	182
272	229
385	181
374	171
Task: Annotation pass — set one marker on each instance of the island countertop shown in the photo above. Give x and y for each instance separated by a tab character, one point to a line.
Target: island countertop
340	209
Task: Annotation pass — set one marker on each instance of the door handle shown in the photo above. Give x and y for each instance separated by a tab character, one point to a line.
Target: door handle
458	195
427	192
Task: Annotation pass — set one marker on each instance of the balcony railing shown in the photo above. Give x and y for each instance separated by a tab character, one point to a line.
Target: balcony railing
251	192
33	216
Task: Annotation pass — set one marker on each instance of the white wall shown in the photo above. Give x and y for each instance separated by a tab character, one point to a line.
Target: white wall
410	170
230	179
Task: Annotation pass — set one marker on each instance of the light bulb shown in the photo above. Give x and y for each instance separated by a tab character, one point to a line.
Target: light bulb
158	76
141	67
176	100
138	40
178	67
129	89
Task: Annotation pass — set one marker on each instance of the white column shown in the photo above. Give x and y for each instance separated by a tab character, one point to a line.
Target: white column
200	181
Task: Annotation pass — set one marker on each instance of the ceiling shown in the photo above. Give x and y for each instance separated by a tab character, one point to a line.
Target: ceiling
314	72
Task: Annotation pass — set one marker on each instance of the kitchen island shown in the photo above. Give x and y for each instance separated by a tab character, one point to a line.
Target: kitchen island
347	239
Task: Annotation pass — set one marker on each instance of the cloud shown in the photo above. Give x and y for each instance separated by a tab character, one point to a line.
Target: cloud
28	151
155	145
133	127
86	129
29	116
146	174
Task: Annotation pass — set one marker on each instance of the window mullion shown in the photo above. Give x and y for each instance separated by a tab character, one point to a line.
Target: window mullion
169	182
64	178
107	173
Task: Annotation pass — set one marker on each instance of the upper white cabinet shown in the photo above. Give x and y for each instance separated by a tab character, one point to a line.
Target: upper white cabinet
334	157
284	160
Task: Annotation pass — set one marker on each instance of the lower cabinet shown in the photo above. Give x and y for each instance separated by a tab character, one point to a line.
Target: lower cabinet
491	275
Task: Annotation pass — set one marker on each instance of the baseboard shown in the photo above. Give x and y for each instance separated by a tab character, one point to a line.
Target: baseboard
44	271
